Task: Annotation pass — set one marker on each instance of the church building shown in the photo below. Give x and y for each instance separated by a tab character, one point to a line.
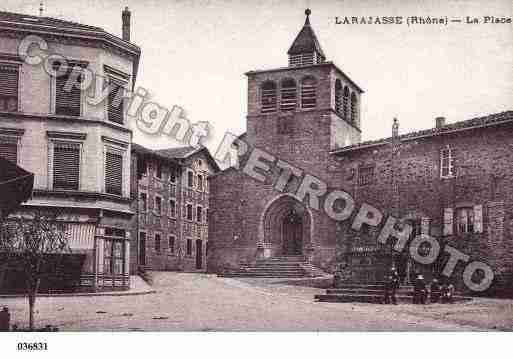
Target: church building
453	181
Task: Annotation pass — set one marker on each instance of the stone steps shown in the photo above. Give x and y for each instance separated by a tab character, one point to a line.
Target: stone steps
369	293
277	267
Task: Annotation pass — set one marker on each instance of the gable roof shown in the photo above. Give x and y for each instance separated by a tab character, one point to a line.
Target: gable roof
477	122
176	154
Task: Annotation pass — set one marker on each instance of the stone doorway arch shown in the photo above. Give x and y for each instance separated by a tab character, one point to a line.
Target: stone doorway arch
286	226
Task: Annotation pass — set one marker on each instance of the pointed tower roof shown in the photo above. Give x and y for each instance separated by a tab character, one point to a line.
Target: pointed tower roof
306	41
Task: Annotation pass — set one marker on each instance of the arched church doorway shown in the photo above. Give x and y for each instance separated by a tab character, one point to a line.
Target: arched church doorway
287	226
292	234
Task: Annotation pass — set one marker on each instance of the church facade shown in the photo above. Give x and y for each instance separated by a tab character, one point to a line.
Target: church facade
452	182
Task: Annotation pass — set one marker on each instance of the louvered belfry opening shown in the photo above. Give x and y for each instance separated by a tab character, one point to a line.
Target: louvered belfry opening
115	111
66	166
67	93
338	96
114	173
308	93
269	98
9	149
288	95
345	109
9	75
354	108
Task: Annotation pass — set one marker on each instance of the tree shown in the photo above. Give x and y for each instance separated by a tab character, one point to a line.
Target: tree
36	242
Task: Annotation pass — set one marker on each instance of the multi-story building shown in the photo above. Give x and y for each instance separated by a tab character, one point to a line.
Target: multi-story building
171	228
452	182
56	124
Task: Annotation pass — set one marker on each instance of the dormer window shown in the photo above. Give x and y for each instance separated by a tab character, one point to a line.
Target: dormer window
268	97
308	93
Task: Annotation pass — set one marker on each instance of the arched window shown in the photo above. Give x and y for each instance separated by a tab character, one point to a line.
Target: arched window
338	96
288	95
268	97
354	108
308	92
345	105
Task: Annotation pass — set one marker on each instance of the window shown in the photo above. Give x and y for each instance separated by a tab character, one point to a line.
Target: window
365	175
172	175
115	103
144	202
345	104
158	205
199	214
9	148
338	96
9	75
158	171
114	258
189	247
288	95
66	166
206	215
354	108
189	212
68	96
268	97
200	183
465	220
171	244
446	163
308	93
114	173
172	208
157	244
190	179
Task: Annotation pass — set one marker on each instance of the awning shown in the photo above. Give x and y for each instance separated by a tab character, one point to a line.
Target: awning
15	186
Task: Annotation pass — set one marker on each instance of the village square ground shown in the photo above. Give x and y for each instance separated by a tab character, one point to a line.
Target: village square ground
200	302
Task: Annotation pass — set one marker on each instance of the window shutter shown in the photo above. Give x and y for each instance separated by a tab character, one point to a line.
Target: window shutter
478	218
66	166
448	221
9	150
67	100
425	226
8	87
115	111
114	173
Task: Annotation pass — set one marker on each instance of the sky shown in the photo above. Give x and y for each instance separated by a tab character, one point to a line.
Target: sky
195	54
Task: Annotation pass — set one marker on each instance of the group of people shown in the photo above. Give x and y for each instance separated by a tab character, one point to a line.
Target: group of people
436	291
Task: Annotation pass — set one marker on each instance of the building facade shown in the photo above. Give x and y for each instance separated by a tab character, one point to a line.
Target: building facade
171	228
452	181
56	124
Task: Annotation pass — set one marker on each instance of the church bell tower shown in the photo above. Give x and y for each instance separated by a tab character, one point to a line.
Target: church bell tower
301	112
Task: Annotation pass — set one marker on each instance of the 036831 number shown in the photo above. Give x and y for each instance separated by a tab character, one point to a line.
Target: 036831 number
32	346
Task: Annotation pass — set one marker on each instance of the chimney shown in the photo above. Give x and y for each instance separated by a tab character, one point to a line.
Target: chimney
440	122
125	16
